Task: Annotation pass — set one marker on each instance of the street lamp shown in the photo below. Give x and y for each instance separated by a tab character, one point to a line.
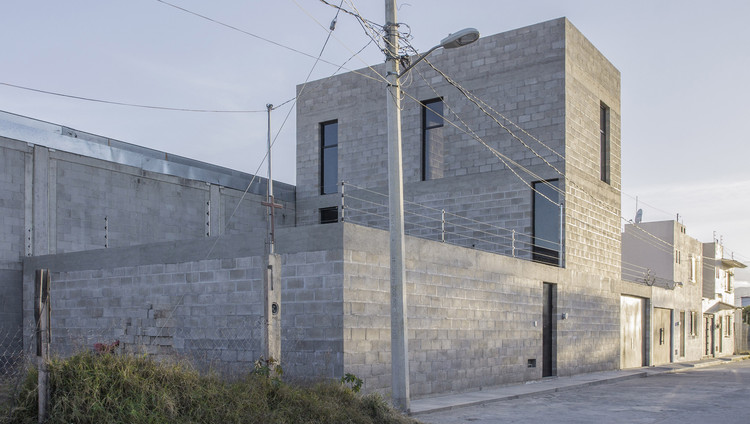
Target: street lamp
399	336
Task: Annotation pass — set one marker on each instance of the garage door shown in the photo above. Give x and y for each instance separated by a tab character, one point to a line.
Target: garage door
632	311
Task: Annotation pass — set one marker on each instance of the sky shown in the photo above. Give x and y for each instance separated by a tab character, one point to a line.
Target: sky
683	66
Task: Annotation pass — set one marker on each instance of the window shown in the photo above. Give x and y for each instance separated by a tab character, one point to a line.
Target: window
728	326
329	157
693	323
433	148
729	281
692	269
329	215
604	145
546	223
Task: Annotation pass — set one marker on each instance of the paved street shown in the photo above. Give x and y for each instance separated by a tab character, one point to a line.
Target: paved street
716	394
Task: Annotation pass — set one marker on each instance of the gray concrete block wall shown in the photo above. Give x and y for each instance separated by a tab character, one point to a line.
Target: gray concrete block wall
167	300
592	225
546	78
312	314
519	74
471	316
209	311
141	207
12	236
12	205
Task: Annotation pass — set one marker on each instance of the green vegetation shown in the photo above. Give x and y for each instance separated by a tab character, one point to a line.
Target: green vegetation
104	388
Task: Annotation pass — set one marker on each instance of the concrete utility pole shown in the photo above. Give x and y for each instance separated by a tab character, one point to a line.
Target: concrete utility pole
272	276
399	336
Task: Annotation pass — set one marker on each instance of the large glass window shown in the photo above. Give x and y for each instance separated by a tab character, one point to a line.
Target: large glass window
433	149
329	157
604	148
546	225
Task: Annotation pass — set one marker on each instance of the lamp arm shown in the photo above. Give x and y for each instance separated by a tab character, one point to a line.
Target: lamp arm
421	57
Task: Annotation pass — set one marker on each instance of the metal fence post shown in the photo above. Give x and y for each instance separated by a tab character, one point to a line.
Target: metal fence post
343	184
43	335
442	226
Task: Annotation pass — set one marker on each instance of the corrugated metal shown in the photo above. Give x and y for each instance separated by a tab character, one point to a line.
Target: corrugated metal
66	139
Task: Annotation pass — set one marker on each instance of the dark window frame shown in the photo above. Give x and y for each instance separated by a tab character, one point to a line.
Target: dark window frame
323	149
425	131
329	215
540	253
605	163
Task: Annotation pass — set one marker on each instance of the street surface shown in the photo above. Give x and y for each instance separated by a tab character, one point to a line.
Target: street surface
716	394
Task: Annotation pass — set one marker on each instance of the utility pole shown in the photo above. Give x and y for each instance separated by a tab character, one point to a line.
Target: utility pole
399	335
272	276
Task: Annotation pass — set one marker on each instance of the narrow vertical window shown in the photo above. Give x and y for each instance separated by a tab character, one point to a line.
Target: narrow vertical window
547	223
604	145
433	148
329	157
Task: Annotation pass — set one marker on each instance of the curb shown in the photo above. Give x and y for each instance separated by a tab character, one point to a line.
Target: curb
542	392
671	368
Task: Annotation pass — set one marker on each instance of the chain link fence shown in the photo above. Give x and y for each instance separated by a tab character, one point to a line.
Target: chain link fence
14	362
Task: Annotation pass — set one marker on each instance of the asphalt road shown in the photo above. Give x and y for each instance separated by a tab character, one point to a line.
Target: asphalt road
717	394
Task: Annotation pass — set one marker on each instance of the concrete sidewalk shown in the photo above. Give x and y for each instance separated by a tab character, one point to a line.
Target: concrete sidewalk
554	384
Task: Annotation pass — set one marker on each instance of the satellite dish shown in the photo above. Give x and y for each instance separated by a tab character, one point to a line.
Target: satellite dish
639	216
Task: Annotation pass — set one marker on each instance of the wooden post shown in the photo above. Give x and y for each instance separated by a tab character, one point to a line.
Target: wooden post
43	334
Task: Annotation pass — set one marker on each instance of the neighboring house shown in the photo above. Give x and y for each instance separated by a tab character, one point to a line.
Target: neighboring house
664	263
719	312
513	266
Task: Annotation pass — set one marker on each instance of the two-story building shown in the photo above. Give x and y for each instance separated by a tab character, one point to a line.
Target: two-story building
513	261
720	315
661	303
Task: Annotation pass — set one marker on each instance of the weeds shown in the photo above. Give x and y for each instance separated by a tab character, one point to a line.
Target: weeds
96	388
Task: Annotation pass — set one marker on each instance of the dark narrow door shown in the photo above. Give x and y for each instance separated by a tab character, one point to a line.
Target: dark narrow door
548	321
709	336
683	333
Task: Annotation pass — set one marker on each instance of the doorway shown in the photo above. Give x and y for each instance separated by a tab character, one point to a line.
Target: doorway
549	330
709	335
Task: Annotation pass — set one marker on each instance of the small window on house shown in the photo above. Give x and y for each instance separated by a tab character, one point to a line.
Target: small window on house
728	326
329	157
730	276
329	215
692	269
604	145
693	323
433	146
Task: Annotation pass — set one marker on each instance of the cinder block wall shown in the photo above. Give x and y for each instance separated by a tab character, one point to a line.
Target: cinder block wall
519	74
542	87
53	201
12	234
175	300
592	224
474	318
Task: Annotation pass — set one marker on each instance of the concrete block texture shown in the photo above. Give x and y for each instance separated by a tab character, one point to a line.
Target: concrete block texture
533	114
474	318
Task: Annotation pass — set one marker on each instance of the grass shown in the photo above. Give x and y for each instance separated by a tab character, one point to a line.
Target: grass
95	388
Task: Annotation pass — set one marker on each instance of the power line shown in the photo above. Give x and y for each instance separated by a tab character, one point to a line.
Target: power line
111	102
248	33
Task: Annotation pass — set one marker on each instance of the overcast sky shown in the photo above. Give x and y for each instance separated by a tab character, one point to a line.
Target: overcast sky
684	67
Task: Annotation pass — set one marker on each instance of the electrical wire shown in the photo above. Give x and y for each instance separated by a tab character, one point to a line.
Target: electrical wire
89	99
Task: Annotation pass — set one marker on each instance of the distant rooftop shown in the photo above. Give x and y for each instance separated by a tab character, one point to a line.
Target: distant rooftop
66	139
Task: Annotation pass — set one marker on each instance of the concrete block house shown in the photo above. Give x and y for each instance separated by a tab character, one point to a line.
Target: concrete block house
513	250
